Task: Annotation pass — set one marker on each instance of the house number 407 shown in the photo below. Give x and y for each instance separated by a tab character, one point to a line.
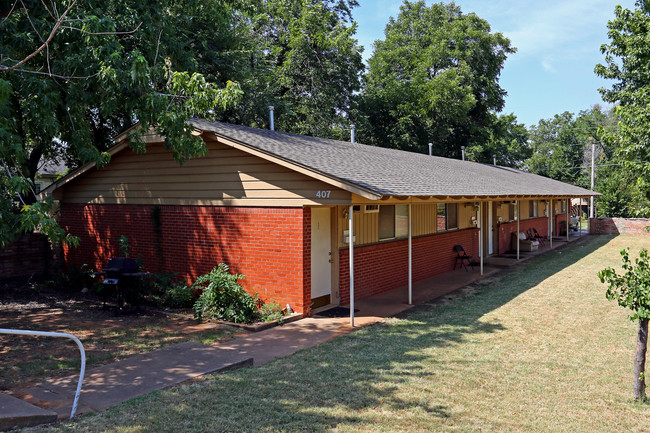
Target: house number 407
323	194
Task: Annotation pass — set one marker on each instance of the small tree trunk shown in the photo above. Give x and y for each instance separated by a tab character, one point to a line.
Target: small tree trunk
639	360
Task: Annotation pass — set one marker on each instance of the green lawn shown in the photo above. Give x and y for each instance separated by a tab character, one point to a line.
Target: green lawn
538	349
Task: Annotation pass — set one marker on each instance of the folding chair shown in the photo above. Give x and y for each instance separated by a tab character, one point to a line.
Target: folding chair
539	237
462	256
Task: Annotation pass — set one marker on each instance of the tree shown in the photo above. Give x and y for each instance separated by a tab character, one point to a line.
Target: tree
558	149
632	290
562	148
507	140
307	64
434	78
71	81
626	60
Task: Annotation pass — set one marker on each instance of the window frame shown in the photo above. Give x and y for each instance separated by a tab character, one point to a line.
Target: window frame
399	220
446	215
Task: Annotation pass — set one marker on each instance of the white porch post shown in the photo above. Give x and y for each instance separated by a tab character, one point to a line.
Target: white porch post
518	212
552	213
480	233
568	219
580	220
351	247
410	257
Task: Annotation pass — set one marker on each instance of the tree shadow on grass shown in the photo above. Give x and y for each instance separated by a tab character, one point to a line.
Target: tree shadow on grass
391	367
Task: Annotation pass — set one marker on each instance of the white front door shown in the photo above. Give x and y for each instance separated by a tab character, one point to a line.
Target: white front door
321	254
490	230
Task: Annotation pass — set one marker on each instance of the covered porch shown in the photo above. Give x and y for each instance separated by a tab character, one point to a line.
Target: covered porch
449	284
431	227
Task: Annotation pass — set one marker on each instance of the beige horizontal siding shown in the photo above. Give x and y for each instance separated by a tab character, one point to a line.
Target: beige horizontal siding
424	221
224	177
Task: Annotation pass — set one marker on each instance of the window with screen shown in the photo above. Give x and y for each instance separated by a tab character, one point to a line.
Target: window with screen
533	209
386	222
393	221
447	216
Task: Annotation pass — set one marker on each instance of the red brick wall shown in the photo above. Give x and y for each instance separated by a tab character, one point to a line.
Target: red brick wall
382	267
29	255
264	244
627	226
506	230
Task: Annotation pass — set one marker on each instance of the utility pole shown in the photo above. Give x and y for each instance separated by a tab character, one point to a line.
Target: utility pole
593	164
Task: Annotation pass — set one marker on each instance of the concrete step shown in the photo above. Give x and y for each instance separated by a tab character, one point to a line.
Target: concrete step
15	413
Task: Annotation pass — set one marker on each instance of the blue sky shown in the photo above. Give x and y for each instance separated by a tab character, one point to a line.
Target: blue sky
558	45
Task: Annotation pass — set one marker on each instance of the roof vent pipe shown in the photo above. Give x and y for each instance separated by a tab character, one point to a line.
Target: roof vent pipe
352	133
272	126
430	149
462	150
495	159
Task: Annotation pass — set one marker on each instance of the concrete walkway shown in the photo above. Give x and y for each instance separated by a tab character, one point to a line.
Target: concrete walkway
113	383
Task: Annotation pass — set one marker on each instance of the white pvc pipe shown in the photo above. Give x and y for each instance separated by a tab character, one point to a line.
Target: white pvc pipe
352	127
410	258
351	249
272	124
59	335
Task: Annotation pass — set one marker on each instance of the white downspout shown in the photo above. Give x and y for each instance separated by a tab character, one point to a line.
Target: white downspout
518	218
351	247
410	257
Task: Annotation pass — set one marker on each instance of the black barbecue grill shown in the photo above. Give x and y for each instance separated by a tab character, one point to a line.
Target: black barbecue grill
121	277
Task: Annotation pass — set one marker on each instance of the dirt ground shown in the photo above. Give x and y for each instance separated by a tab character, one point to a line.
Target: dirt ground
28	360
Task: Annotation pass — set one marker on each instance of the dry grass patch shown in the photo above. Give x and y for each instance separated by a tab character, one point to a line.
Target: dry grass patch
106	338
538	349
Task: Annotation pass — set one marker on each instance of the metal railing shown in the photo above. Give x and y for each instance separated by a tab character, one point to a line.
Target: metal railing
58	335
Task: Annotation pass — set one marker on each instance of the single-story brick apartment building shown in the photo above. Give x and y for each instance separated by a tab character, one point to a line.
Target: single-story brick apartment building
280	208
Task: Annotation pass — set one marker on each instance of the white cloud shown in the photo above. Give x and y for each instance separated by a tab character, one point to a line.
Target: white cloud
554	27
547	64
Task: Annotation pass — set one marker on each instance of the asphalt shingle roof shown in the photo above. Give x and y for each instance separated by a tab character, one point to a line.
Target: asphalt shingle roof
393	172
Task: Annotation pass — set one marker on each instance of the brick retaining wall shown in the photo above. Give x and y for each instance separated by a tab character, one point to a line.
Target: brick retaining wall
614	226
28	256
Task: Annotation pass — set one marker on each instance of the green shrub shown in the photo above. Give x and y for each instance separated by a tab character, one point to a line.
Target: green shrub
75	279
179	296
270	311
223	298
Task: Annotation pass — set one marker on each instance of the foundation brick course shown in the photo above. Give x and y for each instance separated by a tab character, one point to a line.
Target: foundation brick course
270	246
